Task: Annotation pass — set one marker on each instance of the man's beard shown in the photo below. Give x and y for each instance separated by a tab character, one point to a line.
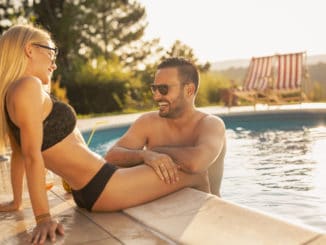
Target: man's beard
173	112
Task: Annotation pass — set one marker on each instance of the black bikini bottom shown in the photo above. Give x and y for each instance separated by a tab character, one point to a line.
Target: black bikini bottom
87	196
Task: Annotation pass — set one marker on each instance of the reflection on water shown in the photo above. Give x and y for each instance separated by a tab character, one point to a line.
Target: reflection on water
278	171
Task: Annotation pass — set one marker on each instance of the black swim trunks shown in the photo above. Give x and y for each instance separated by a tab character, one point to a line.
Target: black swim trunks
87	196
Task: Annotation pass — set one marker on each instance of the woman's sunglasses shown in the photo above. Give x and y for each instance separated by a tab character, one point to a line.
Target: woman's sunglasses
55	50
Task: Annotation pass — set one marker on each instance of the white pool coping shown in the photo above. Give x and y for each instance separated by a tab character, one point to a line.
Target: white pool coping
126	119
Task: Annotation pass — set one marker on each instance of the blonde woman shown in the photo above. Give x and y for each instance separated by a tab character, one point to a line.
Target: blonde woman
43	134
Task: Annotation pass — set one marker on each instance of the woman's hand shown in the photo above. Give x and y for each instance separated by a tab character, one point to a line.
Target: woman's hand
48	227
10	206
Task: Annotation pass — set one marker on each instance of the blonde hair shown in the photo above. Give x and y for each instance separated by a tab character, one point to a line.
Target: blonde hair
13	63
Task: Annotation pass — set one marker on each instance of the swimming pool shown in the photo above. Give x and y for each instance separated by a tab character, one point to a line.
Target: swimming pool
275	162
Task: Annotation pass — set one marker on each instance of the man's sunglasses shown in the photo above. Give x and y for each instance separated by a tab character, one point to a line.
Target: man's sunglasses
163	88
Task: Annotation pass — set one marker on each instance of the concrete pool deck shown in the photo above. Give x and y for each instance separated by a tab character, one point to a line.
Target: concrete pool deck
185	217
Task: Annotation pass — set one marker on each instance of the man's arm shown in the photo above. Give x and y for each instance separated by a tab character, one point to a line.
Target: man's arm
128	150
208	146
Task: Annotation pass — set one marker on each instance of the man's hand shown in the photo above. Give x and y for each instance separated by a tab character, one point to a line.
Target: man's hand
163	165
9	206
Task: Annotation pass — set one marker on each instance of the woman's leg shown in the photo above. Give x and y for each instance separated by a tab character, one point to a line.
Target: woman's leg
132	186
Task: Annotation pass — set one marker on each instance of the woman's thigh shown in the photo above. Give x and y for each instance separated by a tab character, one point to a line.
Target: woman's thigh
132	186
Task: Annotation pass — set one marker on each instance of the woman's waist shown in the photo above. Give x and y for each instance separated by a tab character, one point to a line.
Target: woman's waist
76	172
73	161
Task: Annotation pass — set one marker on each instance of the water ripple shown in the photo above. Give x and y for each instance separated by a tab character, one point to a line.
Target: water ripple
279	171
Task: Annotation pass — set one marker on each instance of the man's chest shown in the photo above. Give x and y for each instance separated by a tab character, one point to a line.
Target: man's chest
163	136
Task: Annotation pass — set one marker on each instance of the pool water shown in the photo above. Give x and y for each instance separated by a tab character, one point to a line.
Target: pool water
274	163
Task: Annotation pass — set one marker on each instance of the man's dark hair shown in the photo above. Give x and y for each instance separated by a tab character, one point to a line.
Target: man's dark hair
187	71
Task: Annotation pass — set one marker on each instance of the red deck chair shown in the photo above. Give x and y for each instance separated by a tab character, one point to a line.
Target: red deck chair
257	80
289	78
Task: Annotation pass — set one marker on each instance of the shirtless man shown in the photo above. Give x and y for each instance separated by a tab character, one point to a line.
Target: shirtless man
178	136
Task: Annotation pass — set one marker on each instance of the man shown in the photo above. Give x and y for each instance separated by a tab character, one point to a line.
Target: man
178	136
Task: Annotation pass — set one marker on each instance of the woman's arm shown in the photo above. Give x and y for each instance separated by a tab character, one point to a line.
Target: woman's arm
28	109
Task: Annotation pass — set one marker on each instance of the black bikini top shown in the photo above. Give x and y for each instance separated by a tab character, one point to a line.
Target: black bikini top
58	124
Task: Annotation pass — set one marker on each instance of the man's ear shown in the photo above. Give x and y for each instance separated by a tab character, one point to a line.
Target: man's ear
190	88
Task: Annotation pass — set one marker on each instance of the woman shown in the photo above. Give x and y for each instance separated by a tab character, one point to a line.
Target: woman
43	134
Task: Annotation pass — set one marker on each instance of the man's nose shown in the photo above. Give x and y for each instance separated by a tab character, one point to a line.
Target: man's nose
156	94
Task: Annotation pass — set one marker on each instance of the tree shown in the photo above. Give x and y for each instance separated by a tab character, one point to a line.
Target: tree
180	49
87	29
12	12
84	29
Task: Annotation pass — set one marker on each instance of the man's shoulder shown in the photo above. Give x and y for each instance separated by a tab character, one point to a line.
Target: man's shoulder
211	120
148	117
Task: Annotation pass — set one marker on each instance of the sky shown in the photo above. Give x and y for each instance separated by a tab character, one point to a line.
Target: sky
220	30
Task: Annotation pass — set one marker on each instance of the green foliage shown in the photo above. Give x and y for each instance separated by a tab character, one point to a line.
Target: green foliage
210	90
179	49
100	62
100	70
104	86
58	91
318	79
237	74
319	92
84	29
96	97
13	12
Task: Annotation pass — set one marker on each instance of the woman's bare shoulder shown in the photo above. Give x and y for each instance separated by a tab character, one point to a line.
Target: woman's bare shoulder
25	87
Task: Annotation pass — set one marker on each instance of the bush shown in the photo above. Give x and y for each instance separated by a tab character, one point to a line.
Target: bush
100	86
97	97
59	92
211	88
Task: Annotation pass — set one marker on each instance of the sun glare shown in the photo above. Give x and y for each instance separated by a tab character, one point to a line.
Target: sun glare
319	156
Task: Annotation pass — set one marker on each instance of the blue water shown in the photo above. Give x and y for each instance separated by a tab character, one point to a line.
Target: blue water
274	163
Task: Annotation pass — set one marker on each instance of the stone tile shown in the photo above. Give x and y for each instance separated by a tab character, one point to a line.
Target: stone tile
119	225
78	229
321	240
16	227
109	241
193	217
125	229
170	214
122	227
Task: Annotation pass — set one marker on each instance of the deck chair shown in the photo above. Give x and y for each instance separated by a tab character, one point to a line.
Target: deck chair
290	73
257	80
